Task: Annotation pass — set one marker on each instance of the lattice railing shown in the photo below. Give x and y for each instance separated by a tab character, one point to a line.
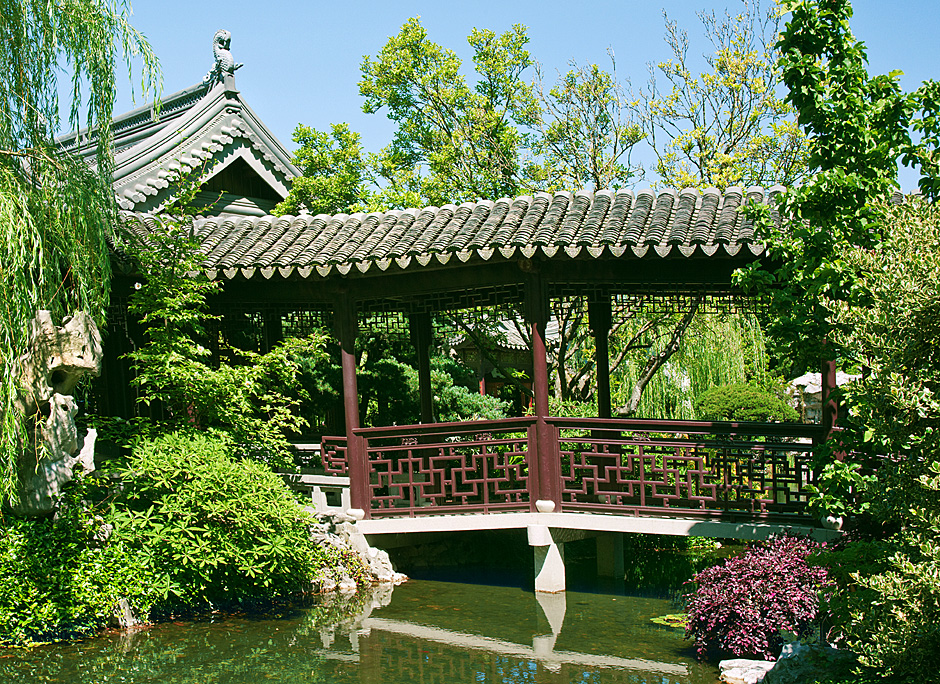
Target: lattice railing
684	467
478	466
334	456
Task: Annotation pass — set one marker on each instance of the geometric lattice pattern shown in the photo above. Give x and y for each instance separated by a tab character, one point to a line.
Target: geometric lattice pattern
638	471
469	467
626	467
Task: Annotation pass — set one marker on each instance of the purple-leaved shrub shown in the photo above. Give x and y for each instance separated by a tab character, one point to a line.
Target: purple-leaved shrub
742	606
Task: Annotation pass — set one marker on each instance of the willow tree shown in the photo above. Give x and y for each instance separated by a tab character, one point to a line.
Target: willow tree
55	210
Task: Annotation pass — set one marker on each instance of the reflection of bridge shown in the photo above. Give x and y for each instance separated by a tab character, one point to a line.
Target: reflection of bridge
561	478
438	647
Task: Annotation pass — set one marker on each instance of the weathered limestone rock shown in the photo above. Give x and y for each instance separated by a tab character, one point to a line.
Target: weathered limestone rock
800	663
122	615
336	528
744	671
56	359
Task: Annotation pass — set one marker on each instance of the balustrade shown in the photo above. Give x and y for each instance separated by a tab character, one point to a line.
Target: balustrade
619	466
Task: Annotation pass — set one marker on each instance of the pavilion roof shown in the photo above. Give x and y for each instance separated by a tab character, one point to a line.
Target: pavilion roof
622	224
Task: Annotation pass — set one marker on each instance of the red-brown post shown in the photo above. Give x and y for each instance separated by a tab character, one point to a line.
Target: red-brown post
347	328
548	457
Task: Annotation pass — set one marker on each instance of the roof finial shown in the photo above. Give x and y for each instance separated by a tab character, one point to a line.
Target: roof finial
225	66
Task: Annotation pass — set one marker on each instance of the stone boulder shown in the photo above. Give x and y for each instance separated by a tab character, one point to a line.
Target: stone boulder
337	528
56	359
800	663
744	671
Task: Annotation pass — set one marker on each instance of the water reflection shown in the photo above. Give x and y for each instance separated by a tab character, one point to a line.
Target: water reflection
424	632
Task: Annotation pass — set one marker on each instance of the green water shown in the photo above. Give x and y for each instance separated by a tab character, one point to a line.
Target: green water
421	632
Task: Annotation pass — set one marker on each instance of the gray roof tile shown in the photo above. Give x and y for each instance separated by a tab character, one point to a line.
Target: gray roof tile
601	224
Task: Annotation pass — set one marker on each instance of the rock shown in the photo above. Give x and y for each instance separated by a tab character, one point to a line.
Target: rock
799	663
122	616
744	671
337	528
56	359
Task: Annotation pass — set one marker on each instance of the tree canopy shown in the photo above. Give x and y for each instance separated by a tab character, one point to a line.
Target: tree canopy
55	210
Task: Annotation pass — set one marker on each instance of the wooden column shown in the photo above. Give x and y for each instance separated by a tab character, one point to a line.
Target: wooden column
537	309
420	325
272	332
347	328
830	409
599	321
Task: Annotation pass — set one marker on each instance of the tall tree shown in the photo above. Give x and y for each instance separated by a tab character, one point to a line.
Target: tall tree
859	127
333	169
470	141
727	125
587	130
55	211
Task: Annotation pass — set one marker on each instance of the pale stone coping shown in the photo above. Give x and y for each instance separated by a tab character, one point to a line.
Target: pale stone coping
589	522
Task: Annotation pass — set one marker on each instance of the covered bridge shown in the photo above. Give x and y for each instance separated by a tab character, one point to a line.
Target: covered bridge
613	251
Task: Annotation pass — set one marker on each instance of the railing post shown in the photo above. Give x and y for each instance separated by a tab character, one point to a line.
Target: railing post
533	465
360	494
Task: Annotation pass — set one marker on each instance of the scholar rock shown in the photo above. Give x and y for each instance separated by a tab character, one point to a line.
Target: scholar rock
57	357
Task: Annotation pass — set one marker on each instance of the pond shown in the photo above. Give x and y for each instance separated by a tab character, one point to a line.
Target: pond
421	631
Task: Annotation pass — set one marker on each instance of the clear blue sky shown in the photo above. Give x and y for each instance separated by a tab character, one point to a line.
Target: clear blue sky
302	58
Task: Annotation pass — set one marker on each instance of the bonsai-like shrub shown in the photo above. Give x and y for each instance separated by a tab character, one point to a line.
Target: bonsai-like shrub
743	605
743	402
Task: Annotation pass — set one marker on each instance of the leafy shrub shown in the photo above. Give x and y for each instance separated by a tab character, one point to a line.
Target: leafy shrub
742	605
217	530
743	402
61	577
887	608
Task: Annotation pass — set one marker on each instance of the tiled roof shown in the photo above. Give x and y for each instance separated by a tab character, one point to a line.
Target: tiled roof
603	224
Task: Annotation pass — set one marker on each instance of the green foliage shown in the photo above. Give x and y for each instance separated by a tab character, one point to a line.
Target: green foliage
333	172
864	275
715	351
214	530
743	402
888	603
61	577
392	387
55	211
467	137
859	127
726	126
242	392
587	130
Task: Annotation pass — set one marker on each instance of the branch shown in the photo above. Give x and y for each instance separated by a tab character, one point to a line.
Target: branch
656	362
481	345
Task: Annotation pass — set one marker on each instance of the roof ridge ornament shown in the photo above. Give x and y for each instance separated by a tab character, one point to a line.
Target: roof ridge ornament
224	69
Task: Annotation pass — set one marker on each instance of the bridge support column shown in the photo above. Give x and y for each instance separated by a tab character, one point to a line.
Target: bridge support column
610	555
549	557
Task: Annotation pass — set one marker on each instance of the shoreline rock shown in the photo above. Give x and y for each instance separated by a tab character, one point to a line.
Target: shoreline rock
337	528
